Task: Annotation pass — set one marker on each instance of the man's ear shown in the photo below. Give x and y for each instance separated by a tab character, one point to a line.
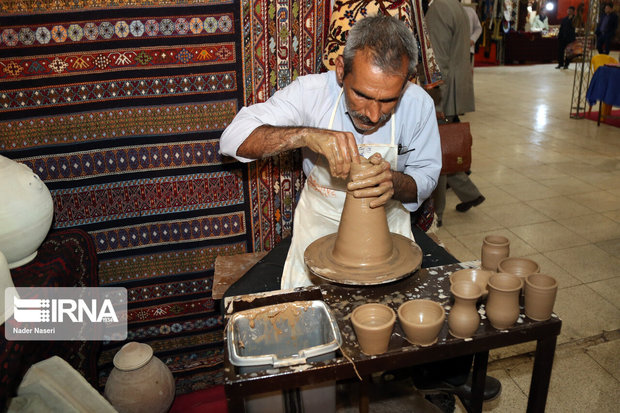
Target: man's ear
340	69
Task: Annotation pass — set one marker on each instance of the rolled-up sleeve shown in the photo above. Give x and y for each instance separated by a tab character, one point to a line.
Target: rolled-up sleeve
282	109
424	163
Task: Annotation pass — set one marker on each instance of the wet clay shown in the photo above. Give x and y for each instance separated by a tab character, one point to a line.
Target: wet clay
363	251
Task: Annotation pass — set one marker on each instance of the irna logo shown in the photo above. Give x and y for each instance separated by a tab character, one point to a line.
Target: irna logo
61	310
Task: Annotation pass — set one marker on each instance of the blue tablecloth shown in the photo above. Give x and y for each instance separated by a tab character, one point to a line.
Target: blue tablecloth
605	86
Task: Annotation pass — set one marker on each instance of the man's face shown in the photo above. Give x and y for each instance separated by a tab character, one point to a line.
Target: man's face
370	94
571	12
608	9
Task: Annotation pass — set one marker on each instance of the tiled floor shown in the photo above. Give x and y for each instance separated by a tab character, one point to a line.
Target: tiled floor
552	185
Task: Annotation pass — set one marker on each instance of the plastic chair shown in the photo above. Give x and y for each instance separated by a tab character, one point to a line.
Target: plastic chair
600	60
596	62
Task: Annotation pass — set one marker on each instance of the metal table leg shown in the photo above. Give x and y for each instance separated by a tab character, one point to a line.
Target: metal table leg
541	374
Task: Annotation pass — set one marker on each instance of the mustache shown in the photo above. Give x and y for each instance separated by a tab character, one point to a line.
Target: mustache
366	120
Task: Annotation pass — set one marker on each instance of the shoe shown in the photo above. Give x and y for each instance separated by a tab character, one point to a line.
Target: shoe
492	388
558	67
565	67
439	223
465	206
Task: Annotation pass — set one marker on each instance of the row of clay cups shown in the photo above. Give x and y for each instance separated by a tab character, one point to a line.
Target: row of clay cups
421	320
502	307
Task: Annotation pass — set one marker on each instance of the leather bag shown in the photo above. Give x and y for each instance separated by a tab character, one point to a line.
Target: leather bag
456	144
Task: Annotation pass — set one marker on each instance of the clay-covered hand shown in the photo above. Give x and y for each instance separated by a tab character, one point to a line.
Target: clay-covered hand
374	182
339	148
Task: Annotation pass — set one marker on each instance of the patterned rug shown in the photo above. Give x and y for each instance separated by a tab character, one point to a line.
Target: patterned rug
118	106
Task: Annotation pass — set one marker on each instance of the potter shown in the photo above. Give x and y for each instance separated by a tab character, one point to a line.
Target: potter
368	106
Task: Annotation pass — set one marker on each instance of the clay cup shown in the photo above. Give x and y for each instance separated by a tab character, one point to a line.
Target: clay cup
494	248
521	267
502	306
540	291
373	324
477	276
421	321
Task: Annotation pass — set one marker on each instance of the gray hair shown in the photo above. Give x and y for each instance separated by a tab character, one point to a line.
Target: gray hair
387	39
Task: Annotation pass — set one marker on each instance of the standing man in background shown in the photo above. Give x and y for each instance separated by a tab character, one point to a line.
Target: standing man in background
475	28
606	28
450	34
565	36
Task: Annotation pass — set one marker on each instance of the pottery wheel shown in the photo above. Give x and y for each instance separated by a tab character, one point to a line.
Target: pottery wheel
405	259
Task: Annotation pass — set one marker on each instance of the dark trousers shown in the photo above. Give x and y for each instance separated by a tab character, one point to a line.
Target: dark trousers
561	49
267	273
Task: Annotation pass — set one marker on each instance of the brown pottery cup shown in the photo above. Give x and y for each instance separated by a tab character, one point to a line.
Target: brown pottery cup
494	248
373	324
421	321
503	300
478	276
464	319
540	293
519	266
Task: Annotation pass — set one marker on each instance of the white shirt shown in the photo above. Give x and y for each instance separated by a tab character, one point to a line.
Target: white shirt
309	101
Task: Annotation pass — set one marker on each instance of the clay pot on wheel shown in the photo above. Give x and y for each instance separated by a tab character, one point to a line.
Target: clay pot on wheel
464	319
139	382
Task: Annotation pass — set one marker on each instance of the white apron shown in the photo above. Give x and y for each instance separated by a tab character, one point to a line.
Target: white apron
320	205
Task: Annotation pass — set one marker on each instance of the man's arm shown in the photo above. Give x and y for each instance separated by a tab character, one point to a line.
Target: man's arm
339	148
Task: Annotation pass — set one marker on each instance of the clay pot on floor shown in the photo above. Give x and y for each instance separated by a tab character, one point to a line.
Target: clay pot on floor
464	319
494	248
139	381
502	307
373	324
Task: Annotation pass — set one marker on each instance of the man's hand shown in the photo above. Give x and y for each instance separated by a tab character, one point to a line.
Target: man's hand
339	148
374	182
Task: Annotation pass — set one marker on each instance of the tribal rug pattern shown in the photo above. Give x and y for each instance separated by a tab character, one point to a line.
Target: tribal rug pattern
118	106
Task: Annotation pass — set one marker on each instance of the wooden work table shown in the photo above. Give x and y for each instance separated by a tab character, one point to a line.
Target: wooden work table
432	283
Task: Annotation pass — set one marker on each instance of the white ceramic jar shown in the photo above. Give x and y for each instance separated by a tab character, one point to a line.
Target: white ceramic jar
26	212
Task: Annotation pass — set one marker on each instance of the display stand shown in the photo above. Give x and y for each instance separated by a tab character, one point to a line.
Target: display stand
581	80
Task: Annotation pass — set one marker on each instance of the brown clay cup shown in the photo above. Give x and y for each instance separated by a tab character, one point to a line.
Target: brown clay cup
463	320
494	248
421	321
521	267
373	324
502	306
540	291
475	275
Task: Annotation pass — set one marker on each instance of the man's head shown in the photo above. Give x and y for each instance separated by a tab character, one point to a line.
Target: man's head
379	57
571	11
609	7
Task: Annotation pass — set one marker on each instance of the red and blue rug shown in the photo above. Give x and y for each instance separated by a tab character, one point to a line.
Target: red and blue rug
118	107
